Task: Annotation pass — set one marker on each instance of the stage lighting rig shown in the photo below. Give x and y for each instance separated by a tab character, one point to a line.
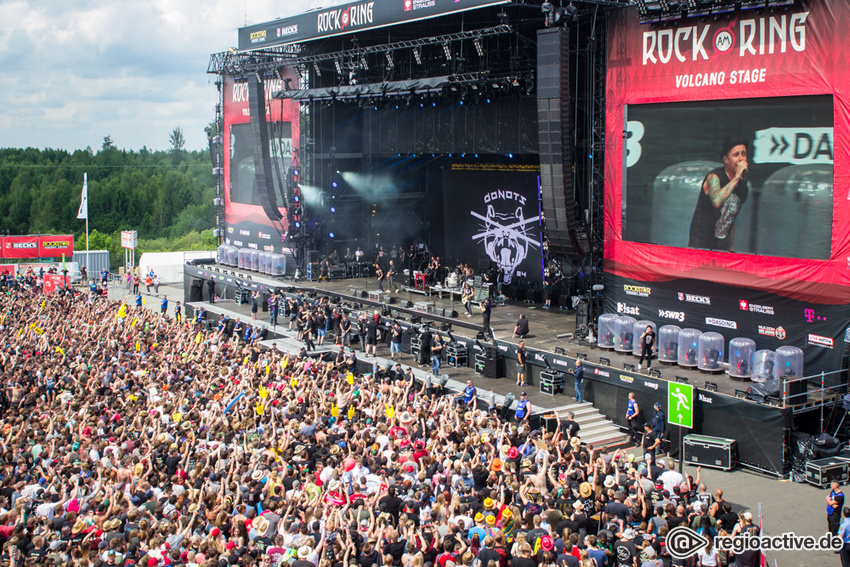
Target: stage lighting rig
479	47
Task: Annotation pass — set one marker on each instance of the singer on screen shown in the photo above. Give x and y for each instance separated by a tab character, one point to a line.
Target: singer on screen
724	190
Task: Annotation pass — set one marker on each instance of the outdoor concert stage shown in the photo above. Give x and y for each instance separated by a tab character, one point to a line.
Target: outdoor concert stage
760	429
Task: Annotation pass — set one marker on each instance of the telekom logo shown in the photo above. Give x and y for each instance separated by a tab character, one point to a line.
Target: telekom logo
810	316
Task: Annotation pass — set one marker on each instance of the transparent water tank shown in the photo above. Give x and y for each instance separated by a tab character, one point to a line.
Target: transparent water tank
674	196
278	264
763	363
244	259
605	325
688	347
265	262
221	256
624	330
789	362
230	257
711	352
640	328
741	351
668	343
807	233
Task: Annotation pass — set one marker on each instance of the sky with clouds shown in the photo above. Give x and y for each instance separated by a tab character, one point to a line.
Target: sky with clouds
72	73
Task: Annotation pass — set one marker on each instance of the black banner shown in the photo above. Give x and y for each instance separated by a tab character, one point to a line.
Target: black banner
770	320
350	18
492	215
783	205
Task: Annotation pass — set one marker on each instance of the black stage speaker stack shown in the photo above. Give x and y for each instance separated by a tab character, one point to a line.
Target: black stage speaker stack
555	137
487	362
196	292
263	179
796	392
549	423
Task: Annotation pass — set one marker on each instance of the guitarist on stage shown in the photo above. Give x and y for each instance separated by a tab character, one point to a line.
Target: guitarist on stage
379	273
466	295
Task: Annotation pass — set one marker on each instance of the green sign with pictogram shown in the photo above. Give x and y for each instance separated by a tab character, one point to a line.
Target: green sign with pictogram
680	404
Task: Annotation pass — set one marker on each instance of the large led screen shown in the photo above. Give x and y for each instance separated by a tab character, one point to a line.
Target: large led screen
750	176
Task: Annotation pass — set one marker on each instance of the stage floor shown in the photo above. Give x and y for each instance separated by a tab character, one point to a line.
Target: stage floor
545	326
550	331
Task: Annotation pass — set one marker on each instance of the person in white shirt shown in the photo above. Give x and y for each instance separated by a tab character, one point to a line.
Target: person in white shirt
671	477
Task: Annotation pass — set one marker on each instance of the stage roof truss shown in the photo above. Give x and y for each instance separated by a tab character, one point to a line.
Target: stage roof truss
233	62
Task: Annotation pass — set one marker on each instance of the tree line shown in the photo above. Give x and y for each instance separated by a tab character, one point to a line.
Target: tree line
167	196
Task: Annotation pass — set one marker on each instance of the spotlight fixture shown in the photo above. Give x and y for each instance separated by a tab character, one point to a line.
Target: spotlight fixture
582	356
363	64
447	50
318	70
604	361
417	55
479	47
655	373
338	66
710	386
681	379
628	367
390	62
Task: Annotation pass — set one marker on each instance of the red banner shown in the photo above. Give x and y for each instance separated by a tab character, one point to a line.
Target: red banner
6	269
53	281
20	247
55	246
678	93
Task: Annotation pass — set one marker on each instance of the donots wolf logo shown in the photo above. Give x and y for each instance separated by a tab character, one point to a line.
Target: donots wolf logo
506	235
771	35
355	15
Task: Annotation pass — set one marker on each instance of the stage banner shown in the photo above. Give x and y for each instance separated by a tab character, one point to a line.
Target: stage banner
54	281
492	217
8	269
770	320
348	18
727	155
56	246
20	247
246	224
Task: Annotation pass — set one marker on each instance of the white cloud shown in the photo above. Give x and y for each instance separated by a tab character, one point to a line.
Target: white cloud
72	73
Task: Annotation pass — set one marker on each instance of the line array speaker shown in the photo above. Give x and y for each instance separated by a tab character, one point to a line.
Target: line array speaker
263	179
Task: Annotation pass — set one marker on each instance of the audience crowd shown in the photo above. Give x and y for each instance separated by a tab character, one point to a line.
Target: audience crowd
129	438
